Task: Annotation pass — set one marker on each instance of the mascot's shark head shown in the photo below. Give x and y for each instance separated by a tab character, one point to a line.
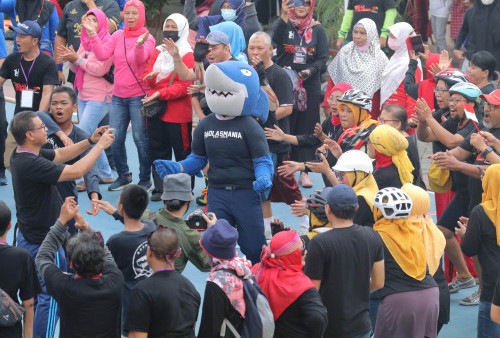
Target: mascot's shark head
232	89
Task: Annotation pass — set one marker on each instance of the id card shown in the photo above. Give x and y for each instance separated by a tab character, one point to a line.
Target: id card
300	55
27	98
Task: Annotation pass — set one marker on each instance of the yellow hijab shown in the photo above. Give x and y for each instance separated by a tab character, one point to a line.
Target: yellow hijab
388	141
404	242
362	119
433	238
366	187
491	196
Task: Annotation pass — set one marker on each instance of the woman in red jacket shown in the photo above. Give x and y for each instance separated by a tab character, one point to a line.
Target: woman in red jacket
171	130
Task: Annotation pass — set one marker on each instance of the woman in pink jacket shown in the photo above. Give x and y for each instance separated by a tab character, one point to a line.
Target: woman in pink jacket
131	49
94	91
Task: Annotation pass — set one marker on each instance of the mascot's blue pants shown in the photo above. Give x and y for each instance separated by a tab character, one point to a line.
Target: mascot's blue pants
242	209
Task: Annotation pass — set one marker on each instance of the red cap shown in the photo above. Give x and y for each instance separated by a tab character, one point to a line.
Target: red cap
492	98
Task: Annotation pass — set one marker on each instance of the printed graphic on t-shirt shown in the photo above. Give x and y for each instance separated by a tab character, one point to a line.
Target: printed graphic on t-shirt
140	263
362	8
222	134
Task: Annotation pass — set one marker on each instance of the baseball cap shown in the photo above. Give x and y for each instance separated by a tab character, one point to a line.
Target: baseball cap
28	27
492	98
177	187
341	196
217	37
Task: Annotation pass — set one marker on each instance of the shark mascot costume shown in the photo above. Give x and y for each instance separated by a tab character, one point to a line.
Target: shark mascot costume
235	145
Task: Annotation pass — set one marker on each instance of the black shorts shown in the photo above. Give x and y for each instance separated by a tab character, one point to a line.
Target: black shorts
458	207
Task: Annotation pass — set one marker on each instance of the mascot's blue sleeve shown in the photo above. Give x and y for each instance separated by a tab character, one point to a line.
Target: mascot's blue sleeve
264	171
192	166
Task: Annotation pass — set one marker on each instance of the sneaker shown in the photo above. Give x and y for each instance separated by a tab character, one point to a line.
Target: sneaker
105	180
305	181
459	284
3	179
146	185
120	183
473	299
155	196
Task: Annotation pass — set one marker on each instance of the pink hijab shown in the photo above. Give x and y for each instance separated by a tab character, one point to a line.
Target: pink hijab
139	29
102	32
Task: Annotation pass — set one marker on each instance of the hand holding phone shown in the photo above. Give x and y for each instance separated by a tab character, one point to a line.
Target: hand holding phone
296	3
416	44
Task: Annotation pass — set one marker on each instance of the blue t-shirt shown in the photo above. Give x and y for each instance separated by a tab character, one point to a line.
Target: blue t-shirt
230	146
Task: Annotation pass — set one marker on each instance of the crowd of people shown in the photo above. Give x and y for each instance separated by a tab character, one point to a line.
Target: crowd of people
367	260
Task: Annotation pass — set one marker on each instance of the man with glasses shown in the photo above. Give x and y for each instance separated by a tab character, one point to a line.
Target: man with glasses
167	303
35	172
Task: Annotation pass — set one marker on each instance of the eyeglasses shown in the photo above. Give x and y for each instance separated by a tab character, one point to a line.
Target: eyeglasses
440	91
384	121
489	106
306	4
43	126
454	101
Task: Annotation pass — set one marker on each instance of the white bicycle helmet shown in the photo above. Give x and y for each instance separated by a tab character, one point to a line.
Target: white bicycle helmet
358	98
394	203
354	160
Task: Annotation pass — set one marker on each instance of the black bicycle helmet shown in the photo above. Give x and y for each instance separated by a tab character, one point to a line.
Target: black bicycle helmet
452	76
316	204
358	98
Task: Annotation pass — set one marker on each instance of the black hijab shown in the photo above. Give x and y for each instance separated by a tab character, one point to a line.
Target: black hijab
34	10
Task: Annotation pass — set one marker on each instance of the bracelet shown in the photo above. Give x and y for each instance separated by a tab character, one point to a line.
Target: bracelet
90	141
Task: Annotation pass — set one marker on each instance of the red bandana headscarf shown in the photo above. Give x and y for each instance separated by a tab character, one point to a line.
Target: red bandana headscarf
280	274
303	24
139	28
426	87
343	87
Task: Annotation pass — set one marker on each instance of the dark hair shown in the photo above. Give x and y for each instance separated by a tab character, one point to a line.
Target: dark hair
22	123
86	252
63	89
399	113
174	205
164	243
486	61
5	217
134	200
347	212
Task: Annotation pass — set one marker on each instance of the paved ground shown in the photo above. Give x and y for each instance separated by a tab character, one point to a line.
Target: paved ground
463	319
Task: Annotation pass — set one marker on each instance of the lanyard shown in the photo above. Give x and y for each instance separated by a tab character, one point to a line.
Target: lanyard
303	34
26	150
29	71
4	242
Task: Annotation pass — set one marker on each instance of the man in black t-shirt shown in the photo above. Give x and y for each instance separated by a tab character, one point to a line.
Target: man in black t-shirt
129	246
346	264
260	50
18	277
90	301
32	72
35	172
165	304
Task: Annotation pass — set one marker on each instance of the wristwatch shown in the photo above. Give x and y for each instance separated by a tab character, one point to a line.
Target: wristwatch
486	152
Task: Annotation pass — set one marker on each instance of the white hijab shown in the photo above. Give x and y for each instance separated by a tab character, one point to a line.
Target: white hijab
164	63
394	72
361	69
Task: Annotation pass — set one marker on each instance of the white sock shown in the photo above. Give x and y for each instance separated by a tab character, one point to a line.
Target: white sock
304	221
267	223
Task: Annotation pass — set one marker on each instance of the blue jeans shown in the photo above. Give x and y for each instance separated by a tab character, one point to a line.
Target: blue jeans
124	110
242	209
90	113
486	328
46	308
